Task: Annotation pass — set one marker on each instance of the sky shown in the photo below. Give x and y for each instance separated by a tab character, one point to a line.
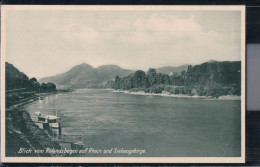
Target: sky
44	43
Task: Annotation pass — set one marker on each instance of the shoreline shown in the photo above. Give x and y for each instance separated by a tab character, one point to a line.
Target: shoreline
142	93
22	132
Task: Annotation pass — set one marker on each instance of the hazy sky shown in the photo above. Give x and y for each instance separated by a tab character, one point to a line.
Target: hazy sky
46	43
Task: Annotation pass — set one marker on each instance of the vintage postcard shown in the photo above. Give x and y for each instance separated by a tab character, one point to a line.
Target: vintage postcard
123	84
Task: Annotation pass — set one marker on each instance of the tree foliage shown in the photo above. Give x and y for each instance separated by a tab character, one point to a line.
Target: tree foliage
18	80
209	79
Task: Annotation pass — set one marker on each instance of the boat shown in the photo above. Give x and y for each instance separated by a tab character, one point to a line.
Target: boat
52	120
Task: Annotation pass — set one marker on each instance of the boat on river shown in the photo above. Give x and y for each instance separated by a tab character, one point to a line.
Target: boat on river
52	120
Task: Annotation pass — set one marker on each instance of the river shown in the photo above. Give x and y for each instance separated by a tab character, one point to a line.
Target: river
162	126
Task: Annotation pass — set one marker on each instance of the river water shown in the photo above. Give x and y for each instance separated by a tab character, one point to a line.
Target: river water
162	126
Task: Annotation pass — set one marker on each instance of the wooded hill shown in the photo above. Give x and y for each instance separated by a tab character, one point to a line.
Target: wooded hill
210	79
16	80
19	88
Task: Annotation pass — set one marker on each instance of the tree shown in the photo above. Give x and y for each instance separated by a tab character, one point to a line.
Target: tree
43	87
139	79
34	84
33	80
152	76
117	82
166	79
129	82
51	87
160	78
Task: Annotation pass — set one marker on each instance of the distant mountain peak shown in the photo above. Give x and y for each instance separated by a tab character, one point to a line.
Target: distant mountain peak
212	61
83	64
84	75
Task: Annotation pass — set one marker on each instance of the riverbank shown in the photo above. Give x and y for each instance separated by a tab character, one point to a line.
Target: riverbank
14	99
23	133
166	94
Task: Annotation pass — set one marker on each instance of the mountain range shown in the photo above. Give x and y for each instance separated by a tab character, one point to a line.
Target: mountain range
84	75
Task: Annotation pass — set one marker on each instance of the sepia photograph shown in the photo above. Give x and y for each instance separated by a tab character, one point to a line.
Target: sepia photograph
143	84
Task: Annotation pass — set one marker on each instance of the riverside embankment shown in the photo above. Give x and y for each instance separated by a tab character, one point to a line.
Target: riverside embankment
23	137
167	94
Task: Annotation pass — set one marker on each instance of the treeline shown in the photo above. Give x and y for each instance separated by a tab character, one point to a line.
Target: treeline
16	80
207	79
